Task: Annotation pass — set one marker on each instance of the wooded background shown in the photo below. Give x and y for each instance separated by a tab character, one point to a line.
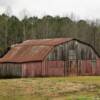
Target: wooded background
13	30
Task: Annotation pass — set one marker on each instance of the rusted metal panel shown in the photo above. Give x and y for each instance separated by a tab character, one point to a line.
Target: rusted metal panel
48	42
37	50
26	54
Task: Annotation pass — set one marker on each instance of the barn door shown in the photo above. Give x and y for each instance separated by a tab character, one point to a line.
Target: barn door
72	68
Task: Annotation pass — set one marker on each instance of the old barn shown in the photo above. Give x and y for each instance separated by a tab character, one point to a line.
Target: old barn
50	57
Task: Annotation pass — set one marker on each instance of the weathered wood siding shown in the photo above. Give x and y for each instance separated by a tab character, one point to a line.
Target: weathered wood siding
31	69
55	68
9	70
98	67
71	51
77	59
50	68
73	68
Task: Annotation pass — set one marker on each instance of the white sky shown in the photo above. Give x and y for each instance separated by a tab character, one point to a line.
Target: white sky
86	9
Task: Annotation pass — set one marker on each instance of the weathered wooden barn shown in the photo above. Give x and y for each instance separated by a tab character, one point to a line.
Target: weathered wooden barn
50	57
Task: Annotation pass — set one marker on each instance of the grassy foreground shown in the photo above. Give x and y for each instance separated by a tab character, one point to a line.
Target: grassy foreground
57	88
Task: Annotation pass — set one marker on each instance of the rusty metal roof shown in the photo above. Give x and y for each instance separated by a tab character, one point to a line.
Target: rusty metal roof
32	50
26	54
48	42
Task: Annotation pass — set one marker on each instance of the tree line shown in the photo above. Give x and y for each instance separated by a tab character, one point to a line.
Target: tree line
13	30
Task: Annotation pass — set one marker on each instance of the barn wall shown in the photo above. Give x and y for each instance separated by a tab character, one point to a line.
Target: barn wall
51	68
85	67
72	68
98	67
55	68
9	70
72	50
32	69
75	58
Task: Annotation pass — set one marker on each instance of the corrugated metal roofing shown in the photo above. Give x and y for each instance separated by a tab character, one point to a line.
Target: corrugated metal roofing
48	42
26	54
32	50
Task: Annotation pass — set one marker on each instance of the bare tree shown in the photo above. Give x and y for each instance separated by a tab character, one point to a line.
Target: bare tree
8	11
24	15
8	14
94	30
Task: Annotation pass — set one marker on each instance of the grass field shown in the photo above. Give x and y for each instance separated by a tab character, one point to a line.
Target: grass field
57	88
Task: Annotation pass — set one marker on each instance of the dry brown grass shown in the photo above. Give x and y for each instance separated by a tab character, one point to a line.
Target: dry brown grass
57	88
